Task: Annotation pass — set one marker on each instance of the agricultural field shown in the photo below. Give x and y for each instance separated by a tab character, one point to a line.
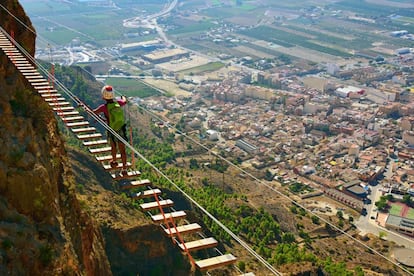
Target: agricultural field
99	25
209	67
132	87
291	39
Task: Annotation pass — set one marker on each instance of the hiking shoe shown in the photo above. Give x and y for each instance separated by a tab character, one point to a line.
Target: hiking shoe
123	173
113	164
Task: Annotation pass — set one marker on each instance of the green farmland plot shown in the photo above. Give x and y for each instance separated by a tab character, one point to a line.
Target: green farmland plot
132	87
212	66
44	7
287	39
193	28
368	9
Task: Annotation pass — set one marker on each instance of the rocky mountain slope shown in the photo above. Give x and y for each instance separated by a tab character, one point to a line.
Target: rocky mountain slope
46	225
42	229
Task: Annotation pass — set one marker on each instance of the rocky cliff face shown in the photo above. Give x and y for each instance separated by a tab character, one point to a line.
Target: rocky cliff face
42	227
48	196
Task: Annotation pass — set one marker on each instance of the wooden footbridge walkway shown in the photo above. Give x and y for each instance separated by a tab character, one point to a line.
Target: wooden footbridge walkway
187	236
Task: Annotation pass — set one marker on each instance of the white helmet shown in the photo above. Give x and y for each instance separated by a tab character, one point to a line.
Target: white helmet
108	92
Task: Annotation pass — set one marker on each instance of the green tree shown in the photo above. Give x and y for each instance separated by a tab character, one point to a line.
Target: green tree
382	203
288	238
407	199
315	220
242	266
194	164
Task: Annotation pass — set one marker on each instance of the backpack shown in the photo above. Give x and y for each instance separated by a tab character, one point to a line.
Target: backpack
116	116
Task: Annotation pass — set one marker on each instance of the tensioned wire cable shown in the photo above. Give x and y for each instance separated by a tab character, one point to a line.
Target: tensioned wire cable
234	236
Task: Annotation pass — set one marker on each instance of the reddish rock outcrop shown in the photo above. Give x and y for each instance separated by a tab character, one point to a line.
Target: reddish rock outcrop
43	230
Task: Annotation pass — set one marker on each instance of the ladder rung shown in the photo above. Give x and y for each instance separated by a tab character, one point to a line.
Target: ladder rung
29	72
20	61
64	108
24	66
157	204
128	175
106	157
147	193
215	262
38	80
77	124
120	166
199	244
43	87
59	103
52	99
136	183
47	91
73	118
89	136
51	95
183	229
83	129
63	114
174	215
35	77
95	143
100	150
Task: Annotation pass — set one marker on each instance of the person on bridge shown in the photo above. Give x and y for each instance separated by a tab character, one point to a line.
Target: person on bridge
112	110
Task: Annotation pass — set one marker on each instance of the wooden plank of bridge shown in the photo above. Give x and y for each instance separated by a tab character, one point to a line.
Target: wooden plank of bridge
11	52
89	136
39	81
145	194
156	204
20	61
215	262
77	124
129	174
37	76
43	87
59	104
100	150
83	129
67	113
30	72
174	215
74	118
51	99
199	244
50	95
94	143
183	229
106	158
27	66
136	183
46	91
64	108
108	167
